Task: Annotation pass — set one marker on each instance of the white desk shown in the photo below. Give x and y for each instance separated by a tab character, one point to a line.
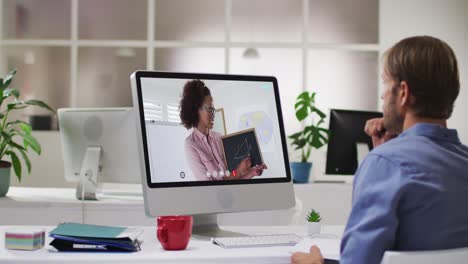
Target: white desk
197	252
49	206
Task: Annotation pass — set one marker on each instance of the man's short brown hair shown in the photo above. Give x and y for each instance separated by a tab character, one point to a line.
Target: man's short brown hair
429	66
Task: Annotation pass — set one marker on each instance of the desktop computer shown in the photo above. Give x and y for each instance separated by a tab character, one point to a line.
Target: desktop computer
98	145
210	144
348	143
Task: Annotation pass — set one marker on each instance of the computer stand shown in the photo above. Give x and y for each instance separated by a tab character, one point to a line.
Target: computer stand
205	226
87	186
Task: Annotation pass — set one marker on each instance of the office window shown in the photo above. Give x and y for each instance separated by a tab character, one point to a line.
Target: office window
307	44
112	19
32	19
194	20
343	21
153	110
173	112
199	60
104	75
266	21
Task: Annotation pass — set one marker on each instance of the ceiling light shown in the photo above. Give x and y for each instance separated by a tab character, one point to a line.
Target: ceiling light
251	53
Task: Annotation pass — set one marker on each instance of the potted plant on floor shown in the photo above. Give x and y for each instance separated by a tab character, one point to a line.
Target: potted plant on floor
15	135
312	136
313	222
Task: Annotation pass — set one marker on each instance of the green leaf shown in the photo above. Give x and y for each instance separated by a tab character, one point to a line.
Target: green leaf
313	216
11	91
295	135
7	136
312	136
300	143
301	113
6	82
304	102
16	105
304	96
16	164
40	104
312	96
16	145
316	110
25	127
11	123
30	141
320	138
26	159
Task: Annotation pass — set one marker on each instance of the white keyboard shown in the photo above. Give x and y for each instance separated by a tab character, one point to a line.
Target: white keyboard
257	241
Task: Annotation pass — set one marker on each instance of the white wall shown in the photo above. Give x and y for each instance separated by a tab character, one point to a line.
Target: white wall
445	19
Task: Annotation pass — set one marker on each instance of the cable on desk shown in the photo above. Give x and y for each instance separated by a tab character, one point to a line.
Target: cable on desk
83	190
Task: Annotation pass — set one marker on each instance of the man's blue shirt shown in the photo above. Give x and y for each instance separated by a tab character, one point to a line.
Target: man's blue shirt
410	193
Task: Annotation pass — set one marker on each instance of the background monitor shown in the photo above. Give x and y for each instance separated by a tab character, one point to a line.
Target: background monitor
178	173
98	145
346	137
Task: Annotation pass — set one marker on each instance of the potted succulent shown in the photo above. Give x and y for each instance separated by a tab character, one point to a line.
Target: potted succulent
313	222
312	136
15	135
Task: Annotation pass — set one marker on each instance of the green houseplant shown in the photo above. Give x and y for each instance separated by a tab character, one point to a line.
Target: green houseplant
312	136
313	222
15	135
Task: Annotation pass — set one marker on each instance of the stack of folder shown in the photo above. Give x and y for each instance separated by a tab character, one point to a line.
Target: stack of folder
82	237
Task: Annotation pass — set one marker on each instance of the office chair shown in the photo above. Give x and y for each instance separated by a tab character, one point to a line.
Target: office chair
453	256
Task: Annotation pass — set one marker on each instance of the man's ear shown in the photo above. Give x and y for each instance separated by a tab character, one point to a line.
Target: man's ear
404	94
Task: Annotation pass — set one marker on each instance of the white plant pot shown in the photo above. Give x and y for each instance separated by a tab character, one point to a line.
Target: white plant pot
313	228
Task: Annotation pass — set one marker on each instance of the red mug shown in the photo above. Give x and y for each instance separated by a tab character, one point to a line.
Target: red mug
174	232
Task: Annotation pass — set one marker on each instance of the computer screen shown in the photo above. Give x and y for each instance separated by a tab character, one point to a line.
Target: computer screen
346	134
215	140
99	145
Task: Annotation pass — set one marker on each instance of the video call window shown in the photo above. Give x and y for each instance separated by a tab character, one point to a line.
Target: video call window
211	130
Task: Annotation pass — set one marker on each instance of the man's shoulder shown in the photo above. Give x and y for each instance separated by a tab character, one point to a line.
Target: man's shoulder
401	148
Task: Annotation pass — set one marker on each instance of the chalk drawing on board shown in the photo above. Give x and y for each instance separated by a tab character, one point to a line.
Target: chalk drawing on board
237	146
243	150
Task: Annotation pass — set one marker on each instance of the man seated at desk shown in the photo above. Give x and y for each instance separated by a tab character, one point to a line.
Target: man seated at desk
409	192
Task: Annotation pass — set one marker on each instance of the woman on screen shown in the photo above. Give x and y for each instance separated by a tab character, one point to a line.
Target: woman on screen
203	148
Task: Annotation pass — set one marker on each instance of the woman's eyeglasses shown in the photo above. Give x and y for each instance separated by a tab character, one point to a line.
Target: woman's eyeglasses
209	109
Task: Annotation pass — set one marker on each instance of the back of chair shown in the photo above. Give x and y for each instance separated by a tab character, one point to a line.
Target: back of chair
452	256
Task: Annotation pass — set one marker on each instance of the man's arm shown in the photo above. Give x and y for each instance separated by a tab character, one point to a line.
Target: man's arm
376	130
372	225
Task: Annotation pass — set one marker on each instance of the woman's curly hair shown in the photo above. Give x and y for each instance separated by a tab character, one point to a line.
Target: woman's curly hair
192	99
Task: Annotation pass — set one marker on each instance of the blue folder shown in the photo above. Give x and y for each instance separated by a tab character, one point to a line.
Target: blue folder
82	237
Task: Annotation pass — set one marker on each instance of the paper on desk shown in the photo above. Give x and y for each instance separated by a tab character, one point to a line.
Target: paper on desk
330	247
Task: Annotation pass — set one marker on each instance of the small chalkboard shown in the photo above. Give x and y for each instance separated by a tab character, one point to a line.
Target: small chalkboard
240	145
